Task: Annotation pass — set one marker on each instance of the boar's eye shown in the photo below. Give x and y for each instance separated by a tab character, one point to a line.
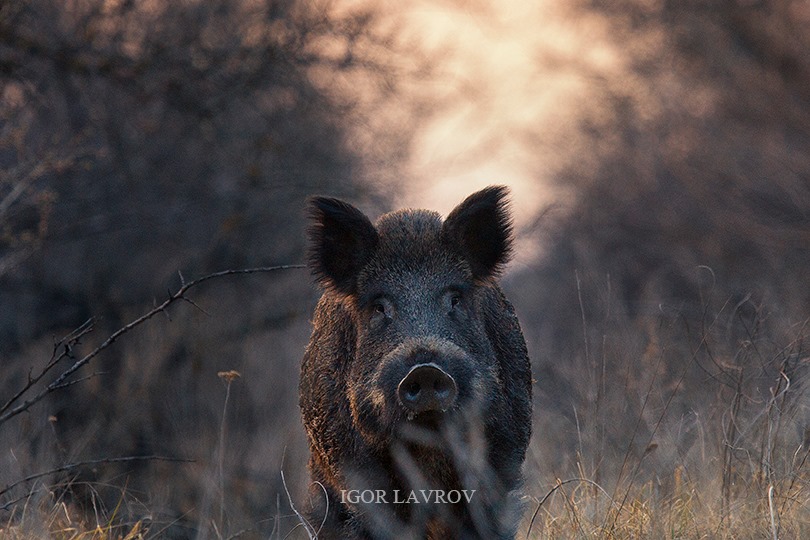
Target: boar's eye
452	300
381	310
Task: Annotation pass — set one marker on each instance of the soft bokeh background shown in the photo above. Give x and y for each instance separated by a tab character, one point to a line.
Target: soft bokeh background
658	158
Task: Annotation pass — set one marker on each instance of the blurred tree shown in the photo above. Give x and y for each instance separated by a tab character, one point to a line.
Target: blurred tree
145	137
139	139
690	220
689	155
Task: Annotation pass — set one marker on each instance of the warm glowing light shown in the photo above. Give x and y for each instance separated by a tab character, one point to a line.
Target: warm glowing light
507	87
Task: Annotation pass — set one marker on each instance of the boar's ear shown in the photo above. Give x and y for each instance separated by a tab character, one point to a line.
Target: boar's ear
341	242
480	230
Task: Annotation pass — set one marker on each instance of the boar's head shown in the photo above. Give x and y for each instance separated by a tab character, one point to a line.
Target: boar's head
417	289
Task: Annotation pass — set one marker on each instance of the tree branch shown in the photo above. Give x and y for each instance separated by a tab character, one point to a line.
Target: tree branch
72	466
8	412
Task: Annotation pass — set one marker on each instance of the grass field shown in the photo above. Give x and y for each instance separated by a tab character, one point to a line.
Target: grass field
670	438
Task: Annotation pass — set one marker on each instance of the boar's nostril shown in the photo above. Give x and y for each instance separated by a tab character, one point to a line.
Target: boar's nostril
412	391
427	387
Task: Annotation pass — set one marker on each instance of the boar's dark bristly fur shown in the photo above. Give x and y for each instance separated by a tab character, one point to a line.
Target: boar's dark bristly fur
484	243
416	377
346	240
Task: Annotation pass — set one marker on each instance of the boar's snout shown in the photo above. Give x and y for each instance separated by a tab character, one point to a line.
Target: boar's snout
427	387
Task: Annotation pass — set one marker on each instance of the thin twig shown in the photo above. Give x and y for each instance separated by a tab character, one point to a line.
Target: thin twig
703	342
76	465
228	377
307	526
66	344
326	512
558	485
773	518
584	321
311	533
77	381
178	295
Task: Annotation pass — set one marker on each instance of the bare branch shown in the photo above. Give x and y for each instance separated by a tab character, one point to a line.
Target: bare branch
59	382
76	465
66	344
82	379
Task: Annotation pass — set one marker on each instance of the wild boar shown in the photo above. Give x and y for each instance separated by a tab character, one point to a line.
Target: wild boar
415	387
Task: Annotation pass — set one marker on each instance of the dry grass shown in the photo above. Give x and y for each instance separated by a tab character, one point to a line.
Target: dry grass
714	424
715	446
692	507
59	520
694	510
727	497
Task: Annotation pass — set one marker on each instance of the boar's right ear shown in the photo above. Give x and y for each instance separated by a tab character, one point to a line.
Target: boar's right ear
341	242
480	230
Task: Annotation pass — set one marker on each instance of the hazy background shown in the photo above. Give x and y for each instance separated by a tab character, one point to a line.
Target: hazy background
658	158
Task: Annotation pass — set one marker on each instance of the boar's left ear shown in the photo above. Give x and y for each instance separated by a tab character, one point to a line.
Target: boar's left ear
341	242
480	230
